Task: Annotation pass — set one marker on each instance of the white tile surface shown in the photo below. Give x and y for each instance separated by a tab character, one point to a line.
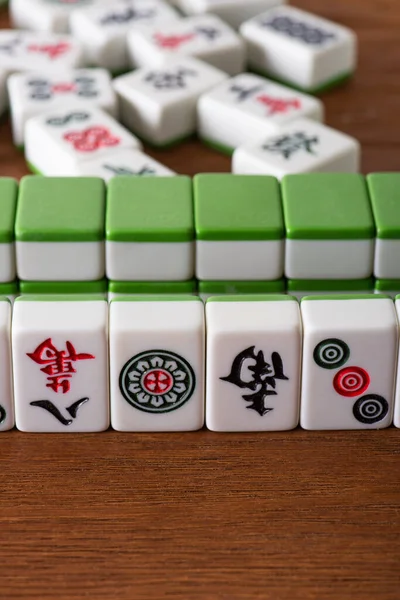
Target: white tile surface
233	12
387	259
157	365
60	357
7	262
397	398
253	365
125	162
42	15
7	418
257	107
349	363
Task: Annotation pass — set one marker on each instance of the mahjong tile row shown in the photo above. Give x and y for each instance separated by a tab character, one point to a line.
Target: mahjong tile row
340	228
239	363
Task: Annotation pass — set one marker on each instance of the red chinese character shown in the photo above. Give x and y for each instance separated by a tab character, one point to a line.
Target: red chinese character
91	139
63	88
53	50
59	367
278	105
173	41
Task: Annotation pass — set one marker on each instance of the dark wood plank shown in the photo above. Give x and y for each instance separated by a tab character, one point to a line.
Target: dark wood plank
292	516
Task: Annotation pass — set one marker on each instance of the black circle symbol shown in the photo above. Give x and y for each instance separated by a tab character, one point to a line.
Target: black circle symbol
370	409
3	414
331	353
157	381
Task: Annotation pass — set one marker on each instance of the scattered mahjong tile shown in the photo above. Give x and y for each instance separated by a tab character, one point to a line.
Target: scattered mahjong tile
256	106
46	15
8	206
330	229
300	48
150	229
239	228
302	146
125	162
59	229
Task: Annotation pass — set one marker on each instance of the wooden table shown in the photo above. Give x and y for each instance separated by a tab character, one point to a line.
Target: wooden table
291	516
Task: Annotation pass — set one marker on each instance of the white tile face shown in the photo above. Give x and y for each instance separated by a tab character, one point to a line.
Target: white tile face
387	259
60	358
253	365
239	261
349	363
329	259
27	51
3	91
126	162
234	12
32	94
157	365
46	15
302	146
160	104
60	261
7	263
150	261
397	398
255	105
299	47
103	29
205	37
7	419
55	143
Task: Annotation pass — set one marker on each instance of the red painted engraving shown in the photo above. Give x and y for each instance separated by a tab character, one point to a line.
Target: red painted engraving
58	364
351	381
91	139
173	41
278	105
53	50
157	382
63	88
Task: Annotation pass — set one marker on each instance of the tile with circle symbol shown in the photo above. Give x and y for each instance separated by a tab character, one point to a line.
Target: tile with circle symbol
157	363
349	362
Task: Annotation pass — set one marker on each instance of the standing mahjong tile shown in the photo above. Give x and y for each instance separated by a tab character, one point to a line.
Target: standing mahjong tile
46	15
257	108
349	362
388	287
150	229
125	162
43	52
329	287
60	359
330	229
159	105
397	397
116	289
33	94
234	12
239	228
208	289
384	190
205	37
300	48
3	91
103	29
59	229
253	363
8	205
7	418
58	141
157	363
302	146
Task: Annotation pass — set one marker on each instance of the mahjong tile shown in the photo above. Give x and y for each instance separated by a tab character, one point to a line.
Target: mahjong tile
125	162
233	12
46	15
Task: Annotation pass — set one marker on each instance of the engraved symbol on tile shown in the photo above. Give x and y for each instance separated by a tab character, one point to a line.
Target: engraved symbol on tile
10	47
288	145
3	414
308	34
53	51
125	171
370	409
331	353
164	80
157	381
278	105
351	382
243	93
92	139
58	364
43	89
74	116
250	371
128	14
53	410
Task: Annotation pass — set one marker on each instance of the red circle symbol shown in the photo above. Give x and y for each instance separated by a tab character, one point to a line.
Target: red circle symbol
157	382
352	381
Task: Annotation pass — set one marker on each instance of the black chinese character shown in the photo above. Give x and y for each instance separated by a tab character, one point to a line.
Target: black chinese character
209	32
129	14
287	145
162	80
263	379
124	171
243	93
299	30
11	46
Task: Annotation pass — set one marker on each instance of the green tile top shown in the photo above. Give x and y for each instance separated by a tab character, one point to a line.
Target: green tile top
152	287
9	289
387	285
330	285
61	298
384	190
60	209
237	208
63	287
8	205
256	298
327	206
344	297
157	298
242	287
150	209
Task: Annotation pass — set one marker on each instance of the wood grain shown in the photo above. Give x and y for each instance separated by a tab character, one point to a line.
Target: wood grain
292	516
